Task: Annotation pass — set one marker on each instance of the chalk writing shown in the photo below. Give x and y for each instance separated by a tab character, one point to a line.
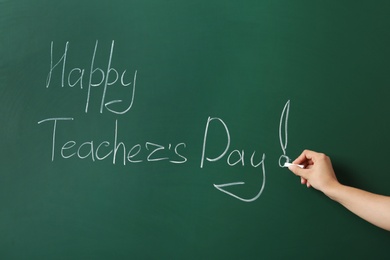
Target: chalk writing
228	160
283	138
112	148
221	186
116	151
97	77
241	158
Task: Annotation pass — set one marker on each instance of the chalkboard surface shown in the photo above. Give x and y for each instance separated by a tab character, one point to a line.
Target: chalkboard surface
154	129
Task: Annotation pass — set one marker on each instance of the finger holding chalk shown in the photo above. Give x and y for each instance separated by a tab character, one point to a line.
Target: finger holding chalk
303	180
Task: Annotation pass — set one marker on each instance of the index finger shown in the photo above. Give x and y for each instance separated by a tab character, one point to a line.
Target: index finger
304	157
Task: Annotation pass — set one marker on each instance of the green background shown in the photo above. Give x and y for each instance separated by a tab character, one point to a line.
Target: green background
240	61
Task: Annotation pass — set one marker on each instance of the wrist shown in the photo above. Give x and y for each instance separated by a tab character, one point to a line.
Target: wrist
332	190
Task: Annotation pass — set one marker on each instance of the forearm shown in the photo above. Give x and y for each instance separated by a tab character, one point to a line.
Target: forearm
369	206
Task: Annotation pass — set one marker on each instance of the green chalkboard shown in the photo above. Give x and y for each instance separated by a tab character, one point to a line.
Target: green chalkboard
148	129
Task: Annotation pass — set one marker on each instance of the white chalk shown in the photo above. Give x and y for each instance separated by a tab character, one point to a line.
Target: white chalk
289	164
